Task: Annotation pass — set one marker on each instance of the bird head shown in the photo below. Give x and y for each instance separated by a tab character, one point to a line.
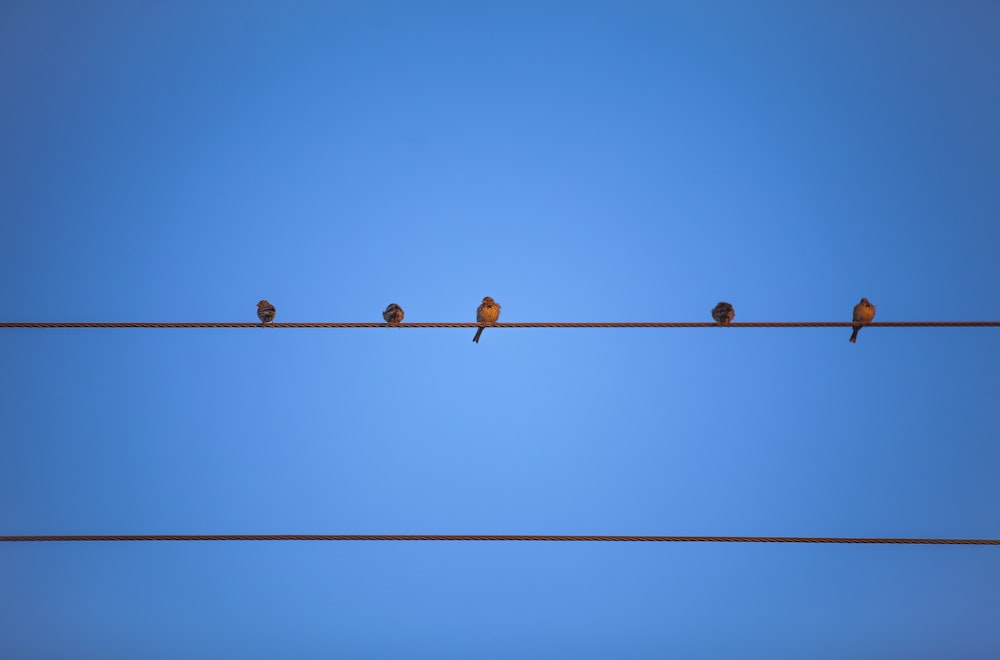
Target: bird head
262	303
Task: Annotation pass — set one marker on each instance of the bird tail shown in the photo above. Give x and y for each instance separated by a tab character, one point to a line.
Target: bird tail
478	332
854	335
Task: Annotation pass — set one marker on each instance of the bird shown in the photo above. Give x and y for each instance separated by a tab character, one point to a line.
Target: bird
393	314
864	312
723	313
265	311
488	312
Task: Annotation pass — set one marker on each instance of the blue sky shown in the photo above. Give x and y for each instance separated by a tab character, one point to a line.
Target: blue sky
577	162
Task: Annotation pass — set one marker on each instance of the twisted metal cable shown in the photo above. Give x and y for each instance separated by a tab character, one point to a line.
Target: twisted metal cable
774	324
498	537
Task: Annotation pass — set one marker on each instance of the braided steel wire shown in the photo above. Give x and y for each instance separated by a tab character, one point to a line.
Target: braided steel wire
497	537
769	324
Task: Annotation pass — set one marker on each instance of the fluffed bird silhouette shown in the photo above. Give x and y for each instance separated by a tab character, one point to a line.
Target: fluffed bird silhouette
488	312
864	312
723	313
393	314
265	311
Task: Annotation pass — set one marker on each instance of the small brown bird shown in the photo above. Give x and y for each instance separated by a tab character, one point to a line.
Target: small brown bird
265	311
723	313
393	314
488	312
864	312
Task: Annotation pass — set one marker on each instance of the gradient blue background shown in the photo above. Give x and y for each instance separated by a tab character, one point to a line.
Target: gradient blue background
178	161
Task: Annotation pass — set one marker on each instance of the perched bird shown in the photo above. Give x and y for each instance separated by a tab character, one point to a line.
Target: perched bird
864	312
265	311
393	314
723	313
488	312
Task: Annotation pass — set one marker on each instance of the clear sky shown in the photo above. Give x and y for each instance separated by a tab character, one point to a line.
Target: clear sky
576	161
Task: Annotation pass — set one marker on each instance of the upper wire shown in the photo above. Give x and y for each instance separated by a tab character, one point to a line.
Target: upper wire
497	537
766	324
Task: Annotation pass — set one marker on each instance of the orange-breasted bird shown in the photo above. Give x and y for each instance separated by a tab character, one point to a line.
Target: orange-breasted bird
864	312
488	312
